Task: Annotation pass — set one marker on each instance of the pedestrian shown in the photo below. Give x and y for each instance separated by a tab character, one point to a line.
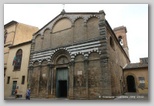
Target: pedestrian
28	94
16	91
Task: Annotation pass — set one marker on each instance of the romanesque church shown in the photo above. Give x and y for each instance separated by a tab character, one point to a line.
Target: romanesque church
77	55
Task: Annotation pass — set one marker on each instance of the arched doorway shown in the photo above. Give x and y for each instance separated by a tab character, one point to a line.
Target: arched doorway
61	62
61	82
131	84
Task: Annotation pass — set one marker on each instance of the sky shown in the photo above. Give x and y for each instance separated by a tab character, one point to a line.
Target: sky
133	16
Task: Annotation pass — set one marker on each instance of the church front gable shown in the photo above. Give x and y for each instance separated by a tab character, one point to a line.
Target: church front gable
67	29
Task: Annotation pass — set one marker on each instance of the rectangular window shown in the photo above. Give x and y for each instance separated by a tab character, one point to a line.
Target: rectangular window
141	80
23	80
8	79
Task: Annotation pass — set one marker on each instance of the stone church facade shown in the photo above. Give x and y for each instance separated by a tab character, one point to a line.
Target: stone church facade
78	56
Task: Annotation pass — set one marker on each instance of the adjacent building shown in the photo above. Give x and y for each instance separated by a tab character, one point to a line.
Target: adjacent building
136	77
17	44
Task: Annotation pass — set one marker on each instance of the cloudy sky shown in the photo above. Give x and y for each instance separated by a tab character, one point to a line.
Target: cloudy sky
133	16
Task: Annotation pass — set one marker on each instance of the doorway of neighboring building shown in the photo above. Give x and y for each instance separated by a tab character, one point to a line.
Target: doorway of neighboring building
14	87
62	82
131	84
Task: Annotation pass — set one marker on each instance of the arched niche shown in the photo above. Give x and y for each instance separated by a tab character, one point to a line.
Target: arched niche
44	62
61	24
38	43
79	30
92	27
60	55
36	63
94	71
94	56
46	39
43	78
62	60
79	57
79	71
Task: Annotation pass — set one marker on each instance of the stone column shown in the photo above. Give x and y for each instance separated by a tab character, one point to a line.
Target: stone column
53	86
52	80
48	91
29	76
71	76
86	61
40	68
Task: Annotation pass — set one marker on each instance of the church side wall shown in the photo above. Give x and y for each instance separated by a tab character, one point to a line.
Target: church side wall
117	60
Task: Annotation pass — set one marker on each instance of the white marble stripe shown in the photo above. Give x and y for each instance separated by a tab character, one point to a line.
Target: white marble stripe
83	51
47	57
85	44
44	52
72	49
85	47
78	48
76	52
49	54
